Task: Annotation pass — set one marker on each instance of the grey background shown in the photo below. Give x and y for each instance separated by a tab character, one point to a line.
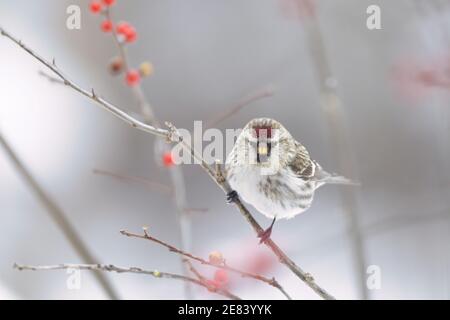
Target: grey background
207	56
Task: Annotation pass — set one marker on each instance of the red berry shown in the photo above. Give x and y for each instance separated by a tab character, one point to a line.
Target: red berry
127	30
130	34
122	27
168	159
109	2
95	7
221	276
261	263
133	77
107	26
213	285
116	65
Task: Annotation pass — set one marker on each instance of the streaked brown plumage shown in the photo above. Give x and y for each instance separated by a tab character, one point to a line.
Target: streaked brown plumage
273	172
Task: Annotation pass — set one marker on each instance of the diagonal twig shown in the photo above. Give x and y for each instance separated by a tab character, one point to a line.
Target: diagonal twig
273	282
113	268
59	217
265	92
147	182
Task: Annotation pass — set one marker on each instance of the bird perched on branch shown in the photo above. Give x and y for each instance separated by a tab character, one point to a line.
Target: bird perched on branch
273	172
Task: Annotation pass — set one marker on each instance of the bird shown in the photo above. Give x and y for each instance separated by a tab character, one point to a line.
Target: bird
273	172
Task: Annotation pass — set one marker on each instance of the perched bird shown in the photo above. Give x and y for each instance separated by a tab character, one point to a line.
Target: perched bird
272	171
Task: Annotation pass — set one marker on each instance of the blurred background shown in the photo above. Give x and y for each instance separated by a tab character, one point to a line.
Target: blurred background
393	85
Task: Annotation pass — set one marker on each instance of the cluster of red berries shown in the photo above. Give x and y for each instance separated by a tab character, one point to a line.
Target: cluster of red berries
97	6
220	280
221	275
125	33
123	29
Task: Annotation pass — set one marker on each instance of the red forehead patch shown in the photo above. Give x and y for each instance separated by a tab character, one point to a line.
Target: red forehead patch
263	132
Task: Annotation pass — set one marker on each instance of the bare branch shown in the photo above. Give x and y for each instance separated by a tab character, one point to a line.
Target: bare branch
113	268
58	216
194	270
172	135
273	282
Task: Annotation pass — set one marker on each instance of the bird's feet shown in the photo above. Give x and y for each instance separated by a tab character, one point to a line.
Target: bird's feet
265	235
232	196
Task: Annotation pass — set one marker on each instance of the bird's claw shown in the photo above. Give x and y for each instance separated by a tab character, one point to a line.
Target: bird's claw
265	235
232	196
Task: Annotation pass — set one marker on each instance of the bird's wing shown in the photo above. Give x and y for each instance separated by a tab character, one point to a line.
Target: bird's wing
309	170
302	165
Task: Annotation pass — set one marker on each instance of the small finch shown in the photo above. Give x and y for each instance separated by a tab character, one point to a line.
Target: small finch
273	172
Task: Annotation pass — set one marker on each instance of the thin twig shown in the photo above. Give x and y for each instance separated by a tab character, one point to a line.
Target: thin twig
172	135
332	107
150	184
144	106
113	268
59	217
194	270
265	92
273	282
195	210
147	182
176	173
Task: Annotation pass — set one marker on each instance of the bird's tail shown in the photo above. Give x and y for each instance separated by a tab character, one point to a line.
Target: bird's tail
336	179
322	177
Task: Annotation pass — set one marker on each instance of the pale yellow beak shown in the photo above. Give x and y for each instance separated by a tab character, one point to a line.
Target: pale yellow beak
263	150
